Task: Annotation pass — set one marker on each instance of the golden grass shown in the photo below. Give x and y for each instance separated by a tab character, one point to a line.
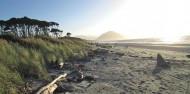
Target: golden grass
24	58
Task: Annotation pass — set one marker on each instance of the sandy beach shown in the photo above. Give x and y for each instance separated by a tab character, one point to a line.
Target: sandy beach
129	70
95	47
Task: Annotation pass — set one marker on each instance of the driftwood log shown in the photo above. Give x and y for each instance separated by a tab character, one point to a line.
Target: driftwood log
49	88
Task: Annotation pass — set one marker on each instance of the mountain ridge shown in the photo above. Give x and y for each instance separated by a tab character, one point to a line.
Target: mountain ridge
110	35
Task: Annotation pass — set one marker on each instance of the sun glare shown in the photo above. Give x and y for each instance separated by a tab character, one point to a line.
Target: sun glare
139	22
171	39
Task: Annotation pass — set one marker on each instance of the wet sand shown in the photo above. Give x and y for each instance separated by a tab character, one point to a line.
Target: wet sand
166	47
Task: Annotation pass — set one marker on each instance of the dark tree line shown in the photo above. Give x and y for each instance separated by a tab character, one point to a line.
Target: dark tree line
26	27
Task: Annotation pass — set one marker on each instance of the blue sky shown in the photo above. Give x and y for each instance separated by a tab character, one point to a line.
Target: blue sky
70	14
167	19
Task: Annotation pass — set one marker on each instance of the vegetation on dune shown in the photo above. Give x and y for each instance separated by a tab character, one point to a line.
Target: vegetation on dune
22	58
26	49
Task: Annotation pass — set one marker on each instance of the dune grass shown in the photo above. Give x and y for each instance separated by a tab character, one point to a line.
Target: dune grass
22	58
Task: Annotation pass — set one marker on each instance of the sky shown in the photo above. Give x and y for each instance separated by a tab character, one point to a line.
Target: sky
167	19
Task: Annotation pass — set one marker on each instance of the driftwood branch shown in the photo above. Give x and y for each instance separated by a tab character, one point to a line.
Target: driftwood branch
49	88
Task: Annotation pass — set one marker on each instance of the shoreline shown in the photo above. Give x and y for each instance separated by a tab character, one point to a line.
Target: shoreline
167	47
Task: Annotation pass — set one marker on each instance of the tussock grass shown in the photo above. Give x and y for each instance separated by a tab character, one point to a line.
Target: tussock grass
22	58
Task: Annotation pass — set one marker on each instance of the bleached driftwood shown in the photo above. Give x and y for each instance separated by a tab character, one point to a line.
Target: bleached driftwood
49	88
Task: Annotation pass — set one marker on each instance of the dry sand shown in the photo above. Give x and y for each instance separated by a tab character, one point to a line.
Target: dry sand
132	73
129	70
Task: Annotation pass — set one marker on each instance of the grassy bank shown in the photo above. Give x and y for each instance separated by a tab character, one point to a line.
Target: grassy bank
22	58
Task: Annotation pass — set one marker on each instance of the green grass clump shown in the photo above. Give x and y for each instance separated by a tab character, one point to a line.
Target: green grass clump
10	81
22	58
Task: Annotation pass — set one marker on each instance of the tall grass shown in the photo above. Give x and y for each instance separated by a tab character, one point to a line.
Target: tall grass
22	58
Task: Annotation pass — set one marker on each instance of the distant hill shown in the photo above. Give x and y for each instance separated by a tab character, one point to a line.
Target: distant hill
87	37
110	35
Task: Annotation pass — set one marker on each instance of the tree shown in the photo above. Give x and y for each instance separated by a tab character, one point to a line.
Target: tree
68	34
2	24
56	32
27	27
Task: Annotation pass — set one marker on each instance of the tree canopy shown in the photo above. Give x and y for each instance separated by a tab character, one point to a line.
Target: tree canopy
68	34
27	27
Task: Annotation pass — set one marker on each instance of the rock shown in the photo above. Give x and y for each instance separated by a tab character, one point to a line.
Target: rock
84	84
133	56
63	87
91	54
120	54
115	59
111	51
188	56
59	63
68	66
89	78
85	59
142	82
75	76
161	64
100	51
103	59
81	66
98	56
106	46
